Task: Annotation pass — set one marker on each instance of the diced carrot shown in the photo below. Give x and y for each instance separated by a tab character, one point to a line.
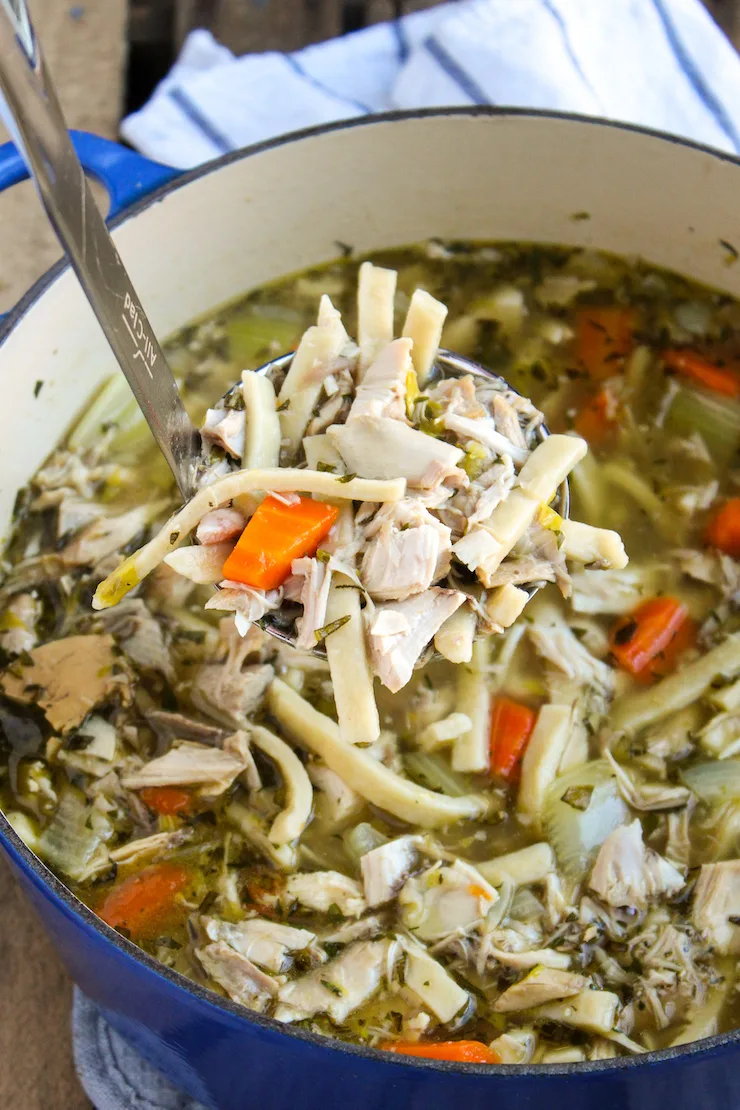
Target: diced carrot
461	1052
277	534
604	337
649	641
511	727
723	530
167	800
144	903
720	379
595	422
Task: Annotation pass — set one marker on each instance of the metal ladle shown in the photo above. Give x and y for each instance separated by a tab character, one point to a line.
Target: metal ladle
34	117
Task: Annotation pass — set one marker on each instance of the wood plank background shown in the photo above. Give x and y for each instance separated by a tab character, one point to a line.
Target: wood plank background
87	45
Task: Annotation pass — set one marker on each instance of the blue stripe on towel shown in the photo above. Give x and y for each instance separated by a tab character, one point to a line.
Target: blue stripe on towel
694	77
550	7
401	40
296	65
203	124
455	72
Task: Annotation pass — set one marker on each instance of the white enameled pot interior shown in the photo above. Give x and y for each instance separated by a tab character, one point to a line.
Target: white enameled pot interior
371	184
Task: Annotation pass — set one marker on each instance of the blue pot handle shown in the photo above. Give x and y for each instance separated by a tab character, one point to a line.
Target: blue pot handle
127	176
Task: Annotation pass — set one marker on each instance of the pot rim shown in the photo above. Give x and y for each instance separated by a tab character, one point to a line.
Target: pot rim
45	878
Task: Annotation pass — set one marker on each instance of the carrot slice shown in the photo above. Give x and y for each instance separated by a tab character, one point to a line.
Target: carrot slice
604	337
595	422
511	727
167	800
277	534
649	641
144	903
720	379
723	530
461	1052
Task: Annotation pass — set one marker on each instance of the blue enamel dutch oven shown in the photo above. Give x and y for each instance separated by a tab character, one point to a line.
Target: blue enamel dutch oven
196	240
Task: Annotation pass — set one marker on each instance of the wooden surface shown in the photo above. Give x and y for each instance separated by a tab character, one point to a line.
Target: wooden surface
84	44
85	47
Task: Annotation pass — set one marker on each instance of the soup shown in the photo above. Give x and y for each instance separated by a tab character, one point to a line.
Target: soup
587	907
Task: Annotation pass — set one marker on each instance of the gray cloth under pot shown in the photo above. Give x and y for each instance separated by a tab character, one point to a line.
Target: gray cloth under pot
113	1074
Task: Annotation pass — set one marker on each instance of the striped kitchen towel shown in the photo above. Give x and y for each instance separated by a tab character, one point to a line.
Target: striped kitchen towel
659	63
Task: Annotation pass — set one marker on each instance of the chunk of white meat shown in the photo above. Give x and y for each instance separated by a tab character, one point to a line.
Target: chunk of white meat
592	1011
220	525
386	868
67	678
239	977
407	514
483	430
490	489
267	943
340	986
507	421
721	736
555	641
108	534
542	984
245	602
596	547
432	983
147	847
140	634
316	582
613	591
382	390
458	395
445	900
187	764
626	873
320	890
224	428
228	692
366	928
423	325
336	804
378	447
376	290
716	906
398	564
18	624
398	632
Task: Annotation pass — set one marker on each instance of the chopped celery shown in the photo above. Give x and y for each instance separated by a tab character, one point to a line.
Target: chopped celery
114	403
361	839
716	419
619	475
434	772
256	339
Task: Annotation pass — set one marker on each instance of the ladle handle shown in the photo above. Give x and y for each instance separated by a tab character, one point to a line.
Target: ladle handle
35	120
